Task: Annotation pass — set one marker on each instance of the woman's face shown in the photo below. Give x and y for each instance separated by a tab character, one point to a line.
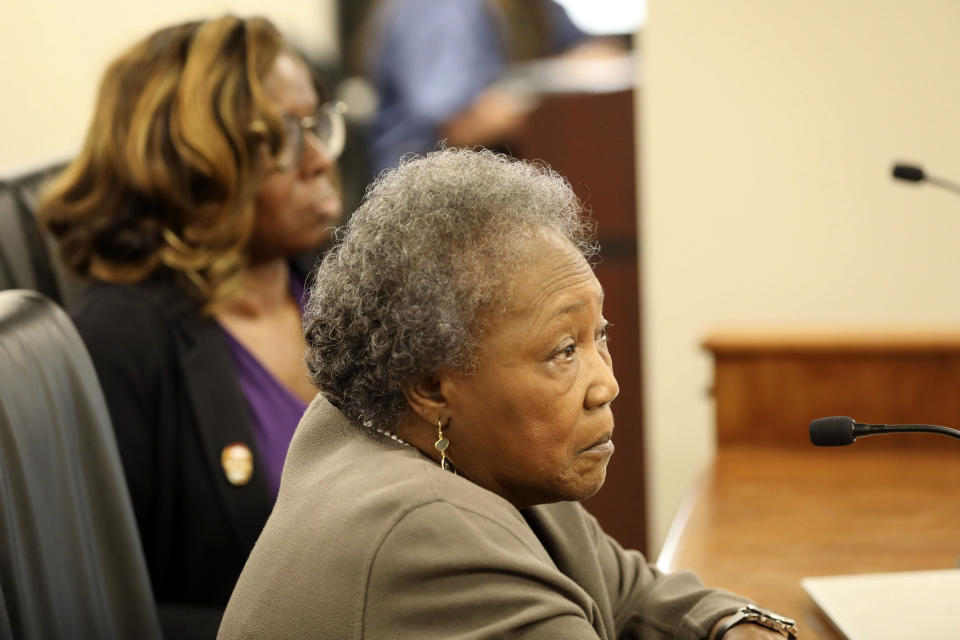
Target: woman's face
296	207
533	422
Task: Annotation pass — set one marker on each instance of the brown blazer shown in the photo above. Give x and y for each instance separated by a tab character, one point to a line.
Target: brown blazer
371	539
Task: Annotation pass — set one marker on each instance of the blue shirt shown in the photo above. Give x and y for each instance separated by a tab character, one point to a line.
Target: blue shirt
433	58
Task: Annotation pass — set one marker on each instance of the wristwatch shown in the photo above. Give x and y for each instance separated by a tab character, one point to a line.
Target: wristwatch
763	617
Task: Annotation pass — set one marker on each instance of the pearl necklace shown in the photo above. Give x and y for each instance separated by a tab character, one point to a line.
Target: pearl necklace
392	436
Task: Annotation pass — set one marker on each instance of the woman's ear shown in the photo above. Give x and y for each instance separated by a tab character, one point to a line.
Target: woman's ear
426	398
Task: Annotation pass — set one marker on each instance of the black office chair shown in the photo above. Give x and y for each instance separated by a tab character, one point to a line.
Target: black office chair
71	565
28	255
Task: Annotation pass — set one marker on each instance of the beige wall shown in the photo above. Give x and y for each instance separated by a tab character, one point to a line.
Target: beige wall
53	53
768	130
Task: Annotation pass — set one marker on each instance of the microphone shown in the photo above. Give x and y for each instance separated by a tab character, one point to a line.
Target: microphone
908	172
838	431
914	173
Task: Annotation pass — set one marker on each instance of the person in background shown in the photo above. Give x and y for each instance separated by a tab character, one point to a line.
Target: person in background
207	170
456	333
435	67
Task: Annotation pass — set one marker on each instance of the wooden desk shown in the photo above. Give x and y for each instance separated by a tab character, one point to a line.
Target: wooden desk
763	518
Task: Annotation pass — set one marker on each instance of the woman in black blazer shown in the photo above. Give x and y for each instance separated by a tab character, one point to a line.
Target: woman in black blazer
208	167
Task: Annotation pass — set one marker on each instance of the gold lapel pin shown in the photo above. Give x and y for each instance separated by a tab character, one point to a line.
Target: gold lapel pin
237	462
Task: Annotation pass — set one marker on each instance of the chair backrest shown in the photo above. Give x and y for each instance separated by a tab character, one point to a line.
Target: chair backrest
71	564
28	256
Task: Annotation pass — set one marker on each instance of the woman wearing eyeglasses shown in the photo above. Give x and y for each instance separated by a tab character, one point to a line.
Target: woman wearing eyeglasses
208	169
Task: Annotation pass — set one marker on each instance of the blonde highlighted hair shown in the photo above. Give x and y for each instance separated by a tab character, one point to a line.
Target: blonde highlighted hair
167	174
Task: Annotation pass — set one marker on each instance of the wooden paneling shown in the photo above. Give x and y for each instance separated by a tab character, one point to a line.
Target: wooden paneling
589	138
768	386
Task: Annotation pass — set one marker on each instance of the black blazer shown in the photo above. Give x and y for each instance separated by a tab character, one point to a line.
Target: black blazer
175	403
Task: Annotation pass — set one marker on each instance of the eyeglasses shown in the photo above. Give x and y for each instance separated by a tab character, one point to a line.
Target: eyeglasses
326	125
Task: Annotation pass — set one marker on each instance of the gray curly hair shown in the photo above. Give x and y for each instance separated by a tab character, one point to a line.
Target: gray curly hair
429	252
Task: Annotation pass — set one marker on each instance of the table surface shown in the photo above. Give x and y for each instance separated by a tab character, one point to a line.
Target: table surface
763	518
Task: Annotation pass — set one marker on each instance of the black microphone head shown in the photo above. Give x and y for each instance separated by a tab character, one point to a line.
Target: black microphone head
908	172
835	431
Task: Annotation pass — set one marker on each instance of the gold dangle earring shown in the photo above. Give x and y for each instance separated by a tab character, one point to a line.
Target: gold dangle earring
441	445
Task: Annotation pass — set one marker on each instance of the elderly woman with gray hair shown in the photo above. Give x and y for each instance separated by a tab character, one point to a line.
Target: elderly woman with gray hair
456	334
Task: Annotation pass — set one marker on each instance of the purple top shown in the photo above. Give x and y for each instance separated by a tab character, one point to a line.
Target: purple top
274	409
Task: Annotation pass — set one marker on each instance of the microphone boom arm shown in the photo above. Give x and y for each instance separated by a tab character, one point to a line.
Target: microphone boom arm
944	184
861	429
